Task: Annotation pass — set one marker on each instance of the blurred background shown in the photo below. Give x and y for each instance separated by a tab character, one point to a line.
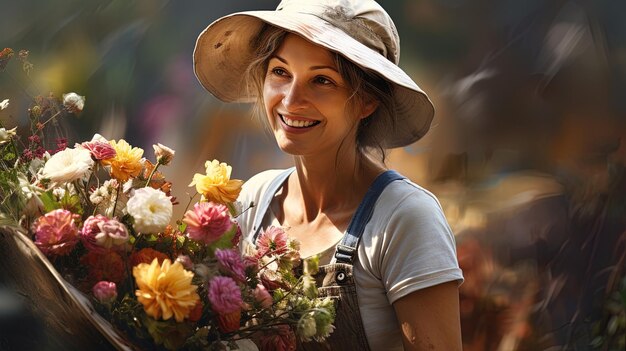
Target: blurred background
527	152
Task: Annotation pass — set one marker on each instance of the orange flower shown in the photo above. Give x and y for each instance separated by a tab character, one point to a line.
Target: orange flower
216	185
127	162
165	290
146	255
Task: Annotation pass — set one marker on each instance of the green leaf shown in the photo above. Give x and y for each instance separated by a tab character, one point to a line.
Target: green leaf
225	242
9	156
49	203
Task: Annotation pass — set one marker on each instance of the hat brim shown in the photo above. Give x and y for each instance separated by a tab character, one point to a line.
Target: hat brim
224	50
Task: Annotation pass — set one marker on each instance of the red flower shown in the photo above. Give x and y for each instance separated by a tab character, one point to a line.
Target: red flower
108	266
283	339
146	255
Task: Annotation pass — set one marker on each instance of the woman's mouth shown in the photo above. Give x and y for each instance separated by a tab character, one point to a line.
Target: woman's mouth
298	122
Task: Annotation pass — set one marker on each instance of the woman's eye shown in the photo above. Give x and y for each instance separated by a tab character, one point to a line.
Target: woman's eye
279	71
323	80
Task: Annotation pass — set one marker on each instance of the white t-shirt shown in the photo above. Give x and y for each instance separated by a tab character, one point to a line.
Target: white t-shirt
407	245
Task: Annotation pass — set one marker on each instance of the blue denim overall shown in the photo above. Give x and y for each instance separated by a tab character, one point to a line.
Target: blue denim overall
336	279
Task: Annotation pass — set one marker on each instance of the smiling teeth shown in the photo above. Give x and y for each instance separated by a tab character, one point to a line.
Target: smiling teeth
298	123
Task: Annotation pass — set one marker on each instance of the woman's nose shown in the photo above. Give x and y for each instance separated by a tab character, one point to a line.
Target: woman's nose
294	96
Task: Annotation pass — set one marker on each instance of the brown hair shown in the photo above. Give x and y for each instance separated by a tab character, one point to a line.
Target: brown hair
366	85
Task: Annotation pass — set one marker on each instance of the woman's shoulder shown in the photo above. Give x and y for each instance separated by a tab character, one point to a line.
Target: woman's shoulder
257	184
406	196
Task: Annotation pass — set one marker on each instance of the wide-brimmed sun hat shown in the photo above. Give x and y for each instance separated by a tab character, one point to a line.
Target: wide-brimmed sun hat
359	30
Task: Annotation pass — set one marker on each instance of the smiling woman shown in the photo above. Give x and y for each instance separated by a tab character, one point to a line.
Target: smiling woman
324	75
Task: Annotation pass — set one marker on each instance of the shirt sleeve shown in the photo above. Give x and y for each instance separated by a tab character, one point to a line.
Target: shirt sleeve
418	247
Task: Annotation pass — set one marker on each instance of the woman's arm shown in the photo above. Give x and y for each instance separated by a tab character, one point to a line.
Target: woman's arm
429	318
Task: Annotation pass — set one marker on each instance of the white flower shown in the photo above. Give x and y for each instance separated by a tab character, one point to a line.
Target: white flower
164	154
98	137
151	209
307	327
6	135
68	165
4	104
105	197
58	193
34	205
73	102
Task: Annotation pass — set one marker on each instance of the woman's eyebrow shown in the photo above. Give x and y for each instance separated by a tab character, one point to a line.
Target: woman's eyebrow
312	68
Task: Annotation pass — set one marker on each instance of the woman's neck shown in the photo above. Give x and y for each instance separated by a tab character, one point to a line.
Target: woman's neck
329	184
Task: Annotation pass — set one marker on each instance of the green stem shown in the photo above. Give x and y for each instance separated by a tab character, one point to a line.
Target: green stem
117	195
152	173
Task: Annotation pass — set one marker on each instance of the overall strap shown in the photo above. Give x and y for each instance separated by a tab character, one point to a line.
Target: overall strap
266	200
346	249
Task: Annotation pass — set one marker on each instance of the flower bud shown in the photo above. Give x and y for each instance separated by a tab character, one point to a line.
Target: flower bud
262	296
73	102
164	154
6	135
105	292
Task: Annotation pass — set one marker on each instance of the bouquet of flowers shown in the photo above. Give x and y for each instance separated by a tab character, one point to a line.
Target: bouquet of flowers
102	215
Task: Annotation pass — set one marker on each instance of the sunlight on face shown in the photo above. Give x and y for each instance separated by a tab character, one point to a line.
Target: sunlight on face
306	98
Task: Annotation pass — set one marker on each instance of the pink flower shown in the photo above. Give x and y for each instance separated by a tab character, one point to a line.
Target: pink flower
113	234
105	292
100	233
262	296
56	232
90	230
224	295
231	263
272	241
99	150
284	339
207	222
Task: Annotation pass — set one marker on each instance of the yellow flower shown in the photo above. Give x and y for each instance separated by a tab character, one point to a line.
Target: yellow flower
216	185
165	290
127	161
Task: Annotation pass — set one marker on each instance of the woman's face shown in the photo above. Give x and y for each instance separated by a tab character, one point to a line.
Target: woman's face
306	100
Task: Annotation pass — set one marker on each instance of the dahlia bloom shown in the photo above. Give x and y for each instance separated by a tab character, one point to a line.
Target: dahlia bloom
272	240
127	161
107	265
165	290
146	255
105	292
224	295
216	185
230	262
56	232
100	150
68	165
151	210
207	222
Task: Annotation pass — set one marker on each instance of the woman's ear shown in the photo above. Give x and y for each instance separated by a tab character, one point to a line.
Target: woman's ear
369	106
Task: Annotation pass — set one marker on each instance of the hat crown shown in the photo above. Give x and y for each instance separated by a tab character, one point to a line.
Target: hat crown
363	20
